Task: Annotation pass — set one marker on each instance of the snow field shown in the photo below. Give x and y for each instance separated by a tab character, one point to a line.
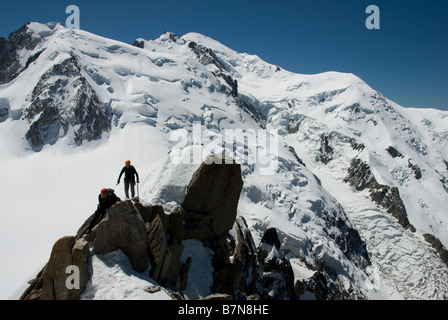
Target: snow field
156	92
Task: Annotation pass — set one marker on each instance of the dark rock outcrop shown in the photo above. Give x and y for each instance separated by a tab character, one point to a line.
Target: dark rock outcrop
214	192
50	283
139	44
206	55
355	145
394	152
293	151
243	270
326	151
63	98
250	109
322	286
438	246
415	168
360	177
10	62
123	228
244	260
390	199
157	244
277	280
218	297
2	46
4	109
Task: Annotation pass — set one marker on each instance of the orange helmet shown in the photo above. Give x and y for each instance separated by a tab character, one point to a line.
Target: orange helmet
127	162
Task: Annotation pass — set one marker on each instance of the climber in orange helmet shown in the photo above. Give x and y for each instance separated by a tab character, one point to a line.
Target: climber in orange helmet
129	178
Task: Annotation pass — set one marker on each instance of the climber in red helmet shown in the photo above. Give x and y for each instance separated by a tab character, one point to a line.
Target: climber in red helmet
106	199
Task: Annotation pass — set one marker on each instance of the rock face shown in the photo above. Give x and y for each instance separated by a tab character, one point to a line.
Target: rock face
123	228
10	64
277	280
438	246
326	151
50	283
157	244
394	152
360	177
63	98
206	55
149	236
415	169
214	191
4	109
244	259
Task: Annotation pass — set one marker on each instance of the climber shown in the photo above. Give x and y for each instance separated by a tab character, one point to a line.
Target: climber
129	178
106	199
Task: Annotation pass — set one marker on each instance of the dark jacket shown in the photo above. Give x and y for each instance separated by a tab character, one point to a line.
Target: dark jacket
108	201
103	205
129	174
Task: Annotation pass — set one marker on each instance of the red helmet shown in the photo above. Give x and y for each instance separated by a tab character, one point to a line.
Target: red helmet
104	192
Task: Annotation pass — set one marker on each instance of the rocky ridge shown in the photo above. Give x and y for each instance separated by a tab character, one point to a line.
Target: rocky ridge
152	238
61	100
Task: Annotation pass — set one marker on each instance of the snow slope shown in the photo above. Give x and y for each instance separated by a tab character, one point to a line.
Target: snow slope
305	108
169	109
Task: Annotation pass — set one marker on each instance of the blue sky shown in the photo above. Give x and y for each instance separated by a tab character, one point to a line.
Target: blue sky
406	60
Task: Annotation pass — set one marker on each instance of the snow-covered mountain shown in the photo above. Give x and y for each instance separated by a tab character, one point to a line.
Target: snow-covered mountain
346	176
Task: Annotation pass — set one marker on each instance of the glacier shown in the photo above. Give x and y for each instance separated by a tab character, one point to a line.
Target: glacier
74	106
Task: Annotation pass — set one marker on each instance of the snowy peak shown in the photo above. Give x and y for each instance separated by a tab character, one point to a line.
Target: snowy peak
63	100
355	185
23	47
